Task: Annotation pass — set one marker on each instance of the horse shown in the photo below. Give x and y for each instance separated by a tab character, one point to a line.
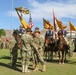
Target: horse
18	38
62	48
49	47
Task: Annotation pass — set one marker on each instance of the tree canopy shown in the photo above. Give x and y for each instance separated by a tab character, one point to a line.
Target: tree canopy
2	32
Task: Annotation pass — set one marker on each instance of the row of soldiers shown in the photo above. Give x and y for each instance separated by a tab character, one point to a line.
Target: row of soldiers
30	43
4	43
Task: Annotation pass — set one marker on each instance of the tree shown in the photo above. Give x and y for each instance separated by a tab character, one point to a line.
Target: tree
2	32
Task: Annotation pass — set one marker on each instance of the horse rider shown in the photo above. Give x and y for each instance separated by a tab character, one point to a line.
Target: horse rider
50	33
63	32
38	52
21	30
26	50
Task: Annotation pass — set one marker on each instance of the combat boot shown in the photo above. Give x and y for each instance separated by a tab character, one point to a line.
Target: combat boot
36	69
43	68
23	68
26	68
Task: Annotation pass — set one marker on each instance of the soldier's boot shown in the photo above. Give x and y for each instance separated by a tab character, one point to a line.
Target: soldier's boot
23	68
26	68
36	68
43	68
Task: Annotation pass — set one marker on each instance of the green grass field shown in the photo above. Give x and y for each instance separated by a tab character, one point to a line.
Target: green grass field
52	67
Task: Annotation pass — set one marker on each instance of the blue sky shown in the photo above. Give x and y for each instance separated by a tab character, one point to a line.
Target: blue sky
65	10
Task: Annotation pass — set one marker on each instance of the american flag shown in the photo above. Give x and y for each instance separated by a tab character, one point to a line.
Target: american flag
31	24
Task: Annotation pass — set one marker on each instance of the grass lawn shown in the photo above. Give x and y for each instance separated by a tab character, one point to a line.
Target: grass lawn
52	67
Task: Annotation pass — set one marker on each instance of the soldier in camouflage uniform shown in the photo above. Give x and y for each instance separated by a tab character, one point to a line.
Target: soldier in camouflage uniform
11	45
14	50
38	52
26	50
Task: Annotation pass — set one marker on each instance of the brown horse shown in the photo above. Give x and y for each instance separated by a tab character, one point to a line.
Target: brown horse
62	47
49	47
18	38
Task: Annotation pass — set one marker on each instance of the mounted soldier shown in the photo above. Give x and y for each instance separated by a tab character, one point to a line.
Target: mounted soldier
21	30
49	43
50	33
62	33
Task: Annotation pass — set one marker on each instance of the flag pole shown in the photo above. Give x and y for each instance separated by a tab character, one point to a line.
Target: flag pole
70	31
55	29
11	17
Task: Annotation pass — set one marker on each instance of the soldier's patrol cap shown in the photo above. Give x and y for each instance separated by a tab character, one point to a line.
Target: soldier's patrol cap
28	30
36	30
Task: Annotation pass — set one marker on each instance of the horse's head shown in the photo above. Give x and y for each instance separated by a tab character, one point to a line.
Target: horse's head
48	40
61	42
15	33
17	37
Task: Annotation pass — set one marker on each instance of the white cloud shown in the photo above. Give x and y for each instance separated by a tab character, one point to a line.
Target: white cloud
44	10
11	13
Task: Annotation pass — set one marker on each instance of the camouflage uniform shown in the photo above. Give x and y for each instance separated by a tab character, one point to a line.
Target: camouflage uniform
39	45
15	48
71	49
26	50
38	52
13	51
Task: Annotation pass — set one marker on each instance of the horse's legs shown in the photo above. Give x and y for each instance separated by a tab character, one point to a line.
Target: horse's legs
55	54
65	56
46	55
51	55
59	56
62	57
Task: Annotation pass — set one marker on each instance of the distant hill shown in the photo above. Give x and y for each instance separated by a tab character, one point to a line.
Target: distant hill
8	33
43	31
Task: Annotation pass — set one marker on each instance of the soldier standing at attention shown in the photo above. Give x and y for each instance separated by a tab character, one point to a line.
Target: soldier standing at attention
14	50
38	52
11	45
26	50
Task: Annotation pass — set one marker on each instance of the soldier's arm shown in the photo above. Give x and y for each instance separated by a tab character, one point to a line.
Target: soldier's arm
41	42
33	44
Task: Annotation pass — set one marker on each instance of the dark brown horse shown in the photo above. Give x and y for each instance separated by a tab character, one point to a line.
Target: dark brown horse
49	47
18	38
62	49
